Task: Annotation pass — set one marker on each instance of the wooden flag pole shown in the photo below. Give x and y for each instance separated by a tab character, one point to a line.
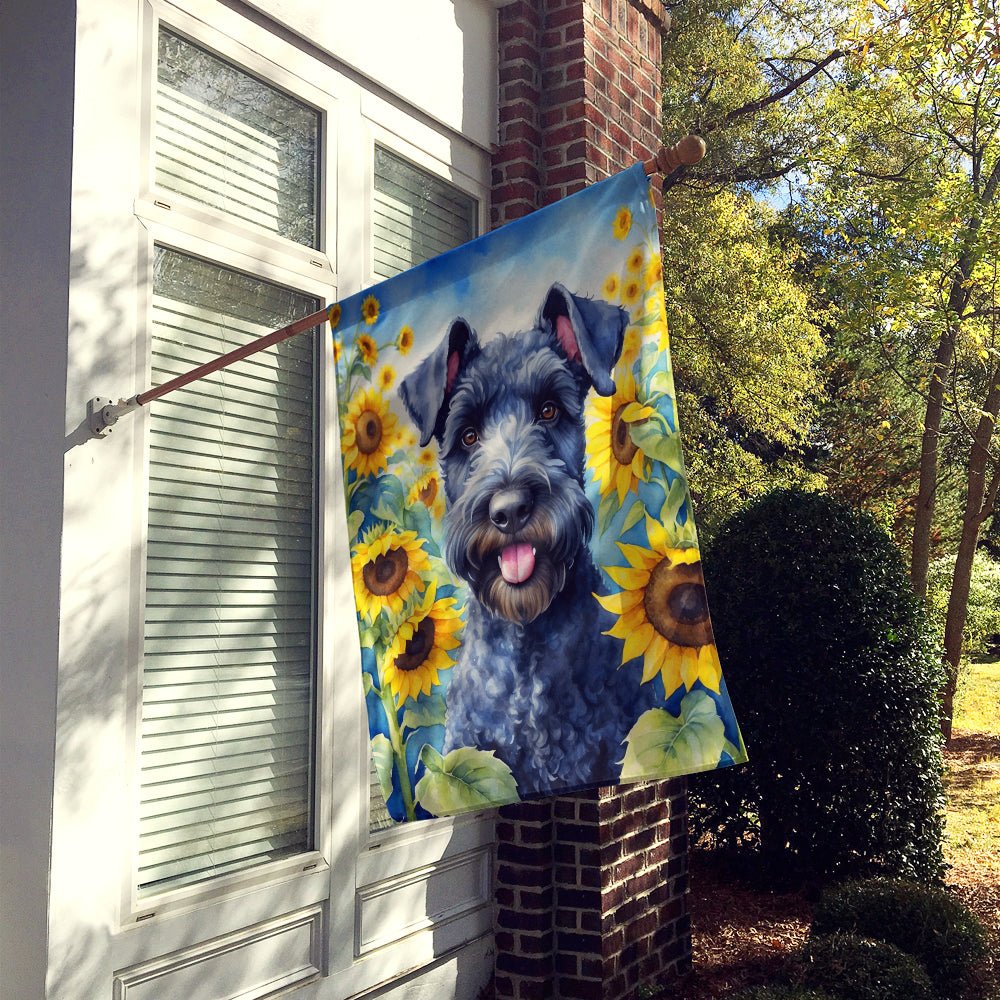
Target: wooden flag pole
103	413
687	152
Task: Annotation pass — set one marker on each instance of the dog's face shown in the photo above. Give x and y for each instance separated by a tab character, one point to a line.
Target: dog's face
508	416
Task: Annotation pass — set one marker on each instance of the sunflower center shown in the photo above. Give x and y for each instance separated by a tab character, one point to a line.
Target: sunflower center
676	604
428	492
621	441
418	647
368	432
687	603
385	574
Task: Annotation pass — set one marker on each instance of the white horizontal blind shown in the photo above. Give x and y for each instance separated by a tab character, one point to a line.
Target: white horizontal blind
228	140
228	658
416	216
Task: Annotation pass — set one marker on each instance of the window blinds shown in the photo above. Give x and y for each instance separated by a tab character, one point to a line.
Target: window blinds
416	216
227	681
230	141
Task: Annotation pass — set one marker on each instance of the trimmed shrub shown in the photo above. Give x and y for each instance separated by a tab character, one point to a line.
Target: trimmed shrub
925	922
834	672
857	968
782	993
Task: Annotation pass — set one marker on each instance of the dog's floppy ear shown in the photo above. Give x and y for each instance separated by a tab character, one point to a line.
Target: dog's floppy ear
425	391
589	333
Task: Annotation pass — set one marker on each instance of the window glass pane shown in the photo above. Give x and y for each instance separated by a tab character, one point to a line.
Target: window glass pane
228	140
416	215
228	657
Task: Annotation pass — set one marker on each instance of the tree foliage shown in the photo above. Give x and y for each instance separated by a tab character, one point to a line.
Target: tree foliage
746	353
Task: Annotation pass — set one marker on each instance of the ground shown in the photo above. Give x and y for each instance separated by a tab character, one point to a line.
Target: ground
741	935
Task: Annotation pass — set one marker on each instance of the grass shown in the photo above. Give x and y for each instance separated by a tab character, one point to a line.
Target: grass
973	810
978	697
974	774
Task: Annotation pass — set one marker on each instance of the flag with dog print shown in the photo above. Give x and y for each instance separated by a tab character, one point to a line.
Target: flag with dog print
526	571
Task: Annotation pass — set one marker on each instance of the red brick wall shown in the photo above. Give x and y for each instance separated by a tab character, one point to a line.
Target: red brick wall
591	889
579	96
591	893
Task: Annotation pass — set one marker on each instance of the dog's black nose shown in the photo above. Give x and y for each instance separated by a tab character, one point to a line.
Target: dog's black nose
510	509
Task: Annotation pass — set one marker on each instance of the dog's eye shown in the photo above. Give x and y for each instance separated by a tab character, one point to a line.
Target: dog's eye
470	437
548	412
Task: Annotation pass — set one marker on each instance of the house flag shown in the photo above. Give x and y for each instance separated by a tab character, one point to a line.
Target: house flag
529	593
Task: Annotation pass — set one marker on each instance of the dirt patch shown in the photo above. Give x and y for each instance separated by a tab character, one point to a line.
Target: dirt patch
742	935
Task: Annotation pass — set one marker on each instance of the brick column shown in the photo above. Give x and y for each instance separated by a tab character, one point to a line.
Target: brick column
591	889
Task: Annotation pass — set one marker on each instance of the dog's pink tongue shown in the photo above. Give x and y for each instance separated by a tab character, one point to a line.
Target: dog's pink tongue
517	562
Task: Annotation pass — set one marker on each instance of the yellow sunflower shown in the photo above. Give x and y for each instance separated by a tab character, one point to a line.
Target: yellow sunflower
631	291
663	613
370	433
428	491
654	271
622	223
612	455
386	566
369	309
631	346
386	377
427	456
338	350
635	261
333	315
611	285
405	340
368	349
420	647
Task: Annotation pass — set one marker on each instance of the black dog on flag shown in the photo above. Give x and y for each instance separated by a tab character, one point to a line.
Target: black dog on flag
535	681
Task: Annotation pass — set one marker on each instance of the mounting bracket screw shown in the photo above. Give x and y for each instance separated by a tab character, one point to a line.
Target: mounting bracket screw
101	415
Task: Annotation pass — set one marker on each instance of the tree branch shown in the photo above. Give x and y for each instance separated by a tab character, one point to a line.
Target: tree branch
753	107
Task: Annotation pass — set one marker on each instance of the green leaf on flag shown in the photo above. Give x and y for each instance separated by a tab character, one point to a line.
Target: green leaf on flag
465	780
635	514
662	745
428	711
382	756
655	441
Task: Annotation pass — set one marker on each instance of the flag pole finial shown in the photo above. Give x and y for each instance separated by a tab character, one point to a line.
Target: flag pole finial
668	158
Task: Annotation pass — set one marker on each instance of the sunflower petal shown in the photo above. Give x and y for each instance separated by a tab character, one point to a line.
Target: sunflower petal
689	665
638	641
628	577
709	668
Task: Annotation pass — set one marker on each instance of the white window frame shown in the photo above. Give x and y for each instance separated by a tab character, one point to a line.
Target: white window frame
352	876
180	224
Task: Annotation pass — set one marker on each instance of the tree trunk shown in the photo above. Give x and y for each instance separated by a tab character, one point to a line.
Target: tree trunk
958	299
920	553
979	500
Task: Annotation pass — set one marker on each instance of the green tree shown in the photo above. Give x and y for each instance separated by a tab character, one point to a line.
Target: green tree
834	672
748	353
911	185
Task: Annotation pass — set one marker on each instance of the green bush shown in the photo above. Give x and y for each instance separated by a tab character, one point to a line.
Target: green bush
925	922
856	968
782	993
833	672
